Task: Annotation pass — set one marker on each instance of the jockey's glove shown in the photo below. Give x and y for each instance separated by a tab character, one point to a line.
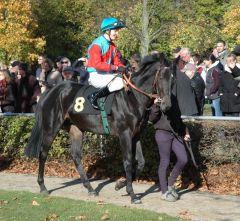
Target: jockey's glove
122	69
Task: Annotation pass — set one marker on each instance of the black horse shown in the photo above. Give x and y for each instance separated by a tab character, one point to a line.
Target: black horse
127	116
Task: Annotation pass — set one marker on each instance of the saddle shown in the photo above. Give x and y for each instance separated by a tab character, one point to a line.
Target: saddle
81	104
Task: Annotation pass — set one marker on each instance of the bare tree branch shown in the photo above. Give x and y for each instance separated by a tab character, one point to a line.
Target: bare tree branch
162	29
152	8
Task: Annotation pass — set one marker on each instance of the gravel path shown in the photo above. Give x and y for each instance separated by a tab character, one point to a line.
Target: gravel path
193	205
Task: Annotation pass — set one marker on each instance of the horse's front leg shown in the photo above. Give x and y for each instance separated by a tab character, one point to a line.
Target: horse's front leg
137	147
42	159
76	137
126	145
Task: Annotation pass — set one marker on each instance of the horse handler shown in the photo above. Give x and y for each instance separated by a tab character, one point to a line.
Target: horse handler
104	62
170	135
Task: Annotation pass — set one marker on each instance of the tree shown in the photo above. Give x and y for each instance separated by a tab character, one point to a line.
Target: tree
231	29
147	22
68	26
17	40
198	24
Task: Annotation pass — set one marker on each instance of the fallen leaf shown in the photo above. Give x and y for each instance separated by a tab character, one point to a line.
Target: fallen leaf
101	202
35	203
51	217
105	216
2	202
79	217
184	214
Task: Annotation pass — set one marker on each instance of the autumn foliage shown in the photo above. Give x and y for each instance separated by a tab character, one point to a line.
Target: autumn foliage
232	23
67	27
17	25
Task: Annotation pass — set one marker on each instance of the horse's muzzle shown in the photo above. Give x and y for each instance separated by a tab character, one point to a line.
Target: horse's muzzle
165	103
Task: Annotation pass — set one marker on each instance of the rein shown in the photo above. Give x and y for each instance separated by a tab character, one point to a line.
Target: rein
152	96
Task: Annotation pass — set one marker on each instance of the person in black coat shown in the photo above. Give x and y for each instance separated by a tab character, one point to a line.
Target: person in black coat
182	85
232	66
197	84
229	90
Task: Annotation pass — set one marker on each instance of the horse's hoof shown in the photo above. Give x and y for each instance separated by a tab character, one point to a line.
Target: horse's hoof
136	201
44	192
92	193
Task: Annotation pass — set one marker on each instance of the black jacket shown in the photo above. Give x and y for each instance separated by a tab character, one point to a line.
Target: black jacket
7	98
198	86
230	103
27	92
170	120
185	95
235	71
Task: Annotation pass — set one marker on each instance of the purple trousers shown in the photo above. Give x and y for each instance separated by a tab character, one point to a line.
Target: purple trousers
167	142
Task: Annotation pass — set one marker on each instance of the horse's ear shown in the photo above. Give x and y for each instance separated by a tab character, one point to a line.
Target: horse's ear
161	57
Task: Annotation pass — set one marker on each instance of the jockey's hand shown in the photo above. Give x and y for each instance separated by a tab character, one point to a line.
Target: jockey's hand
122	69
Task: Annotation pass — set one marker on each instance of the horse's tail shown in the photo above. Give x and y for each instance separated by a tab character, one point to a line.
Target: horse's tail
35	141
56	101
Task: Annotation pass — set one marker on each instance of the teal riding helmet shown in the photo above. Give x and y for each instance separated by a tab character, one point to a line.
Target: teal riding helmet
111	23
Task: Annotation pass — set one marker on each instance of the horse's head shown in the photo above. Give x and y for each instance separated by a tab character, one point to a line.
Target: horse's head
163	87
154	77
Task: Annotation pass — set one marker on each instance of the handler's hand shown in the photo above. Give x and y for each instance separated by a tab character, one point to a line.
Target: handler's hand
187	137
157	100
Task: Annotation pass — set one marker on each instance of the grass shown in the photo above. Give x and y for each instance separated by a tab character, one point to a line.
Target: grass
25	206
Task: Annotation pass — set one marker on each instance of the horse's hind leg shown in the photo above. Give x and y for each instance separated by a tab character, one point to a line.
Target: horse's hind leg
46	145
76	152
42	159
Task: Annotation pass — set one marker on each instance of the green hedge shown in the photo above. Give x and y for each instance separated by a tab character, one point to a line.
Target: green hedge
214	143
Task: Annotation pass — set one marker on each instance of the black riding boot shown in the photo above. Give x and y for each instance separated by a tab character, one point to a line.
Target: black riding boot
98	94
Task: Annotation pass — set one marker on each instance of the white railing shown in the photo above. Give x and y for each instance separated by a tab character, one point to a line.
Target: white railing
17	114
222	118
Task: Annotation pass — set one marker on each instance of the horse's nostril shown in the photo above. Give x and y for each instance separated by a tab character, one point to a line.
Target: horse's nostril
165	104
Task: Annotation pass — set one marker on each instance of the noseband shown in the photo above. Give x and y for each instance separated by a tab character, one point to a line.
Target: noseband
151	95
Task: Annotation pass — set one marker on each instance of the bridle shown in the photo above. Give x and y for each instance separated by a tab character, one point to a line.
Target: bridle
150	95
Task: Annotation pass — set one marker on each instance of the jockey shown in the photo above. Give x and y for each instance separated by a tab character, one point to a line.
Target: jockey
104	61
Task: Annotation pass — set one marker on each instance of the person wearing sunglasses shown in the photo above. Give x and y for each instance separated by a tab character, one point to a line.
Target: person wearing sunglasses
104	62
65	62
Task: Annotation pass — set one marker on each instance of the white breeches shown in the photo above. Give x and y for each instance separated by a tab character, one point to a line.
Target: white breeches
101	80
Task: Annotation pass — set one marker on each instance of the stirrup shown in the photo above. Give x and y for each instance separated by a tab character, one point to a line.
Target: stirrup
93	100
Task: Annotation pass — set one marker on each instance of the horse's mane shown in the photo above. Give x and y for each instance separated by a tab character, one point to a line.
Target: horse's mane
150	60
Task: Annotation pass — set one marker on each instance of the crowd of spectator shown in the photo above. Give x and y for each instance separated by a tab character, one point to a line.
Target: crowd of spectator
211	78
21	88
